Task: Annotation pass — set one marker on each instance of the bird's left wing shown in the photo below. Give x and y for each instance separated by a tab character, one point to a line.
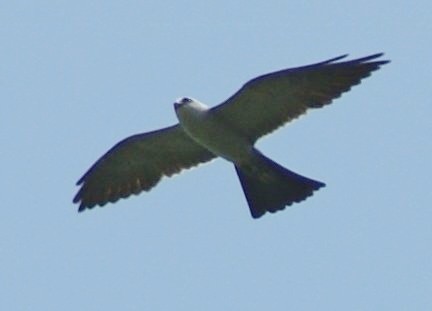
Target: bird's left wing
269	101
137	163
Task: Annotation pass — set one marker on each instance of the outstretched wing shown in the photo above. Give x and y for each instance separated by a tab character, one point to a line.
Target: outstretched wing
267	102
137	163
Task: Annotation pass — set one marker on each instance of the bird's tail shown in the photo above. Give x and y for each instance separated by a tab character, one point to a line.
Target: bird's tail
269	187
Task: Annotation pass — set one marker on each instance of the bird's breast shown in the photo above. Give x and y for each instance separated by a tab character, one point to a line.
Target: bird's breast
214	134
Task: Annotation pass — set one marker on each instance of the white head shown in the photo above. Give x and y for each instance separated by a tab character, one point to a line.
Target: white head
189	103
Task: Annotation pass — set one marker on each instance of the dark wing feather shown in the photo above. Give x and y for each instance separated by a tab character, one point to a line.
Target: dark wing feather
267	102
137	163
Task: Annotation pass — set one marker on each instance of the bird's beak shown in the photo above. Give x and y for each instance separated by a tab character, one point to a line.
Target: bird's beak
176	105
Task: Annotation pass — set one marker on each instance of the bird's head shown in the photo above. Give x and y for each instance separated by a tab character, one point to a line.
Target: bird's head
190	103
181	102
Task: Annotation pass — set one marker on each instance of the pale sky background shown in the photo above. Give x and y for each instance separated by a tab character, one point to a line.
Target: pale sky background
78	76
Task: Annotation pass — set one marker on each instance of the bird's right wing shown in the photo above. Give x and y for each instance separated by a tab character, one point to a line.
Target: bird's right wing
269	101
137	163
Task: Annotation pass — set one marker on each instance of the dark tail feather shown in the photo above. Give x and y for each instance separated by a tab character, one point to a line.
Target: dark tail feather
269	187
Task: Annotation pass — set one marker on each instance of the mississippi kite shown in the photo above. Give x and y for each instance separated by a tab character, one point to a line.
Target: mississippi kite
230	131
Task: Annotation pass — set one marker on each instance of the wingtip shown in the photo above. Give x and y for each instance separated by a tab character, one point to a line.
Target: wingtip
83	206
334	59
371	57
81	180
359	60
78	199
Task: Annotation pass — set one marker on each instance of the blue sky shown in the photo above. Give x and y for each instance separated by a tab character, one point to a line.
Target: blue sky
78	76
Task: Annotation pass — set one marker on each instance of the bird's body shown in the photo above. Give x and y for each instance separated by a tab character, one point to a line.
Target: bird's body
229	131
267	185
210	131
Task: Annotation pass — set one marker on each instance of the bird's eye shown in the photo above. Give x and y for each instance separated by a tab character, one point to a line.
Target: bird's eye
186	100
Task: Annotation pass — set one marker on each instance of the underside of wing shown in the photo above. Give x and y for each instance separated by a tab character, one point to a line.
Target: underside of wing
269	101
136	164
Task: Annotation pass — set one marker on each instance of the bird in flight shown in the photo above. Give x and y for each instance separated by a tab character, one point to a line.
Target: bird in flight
229	131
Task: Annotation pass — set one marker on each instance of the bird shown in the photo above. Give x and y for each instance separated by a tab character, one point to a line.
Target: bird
229	131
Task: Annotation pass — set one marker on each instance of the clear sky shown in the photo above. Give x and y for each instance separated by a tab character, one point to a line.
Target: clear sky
78	76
